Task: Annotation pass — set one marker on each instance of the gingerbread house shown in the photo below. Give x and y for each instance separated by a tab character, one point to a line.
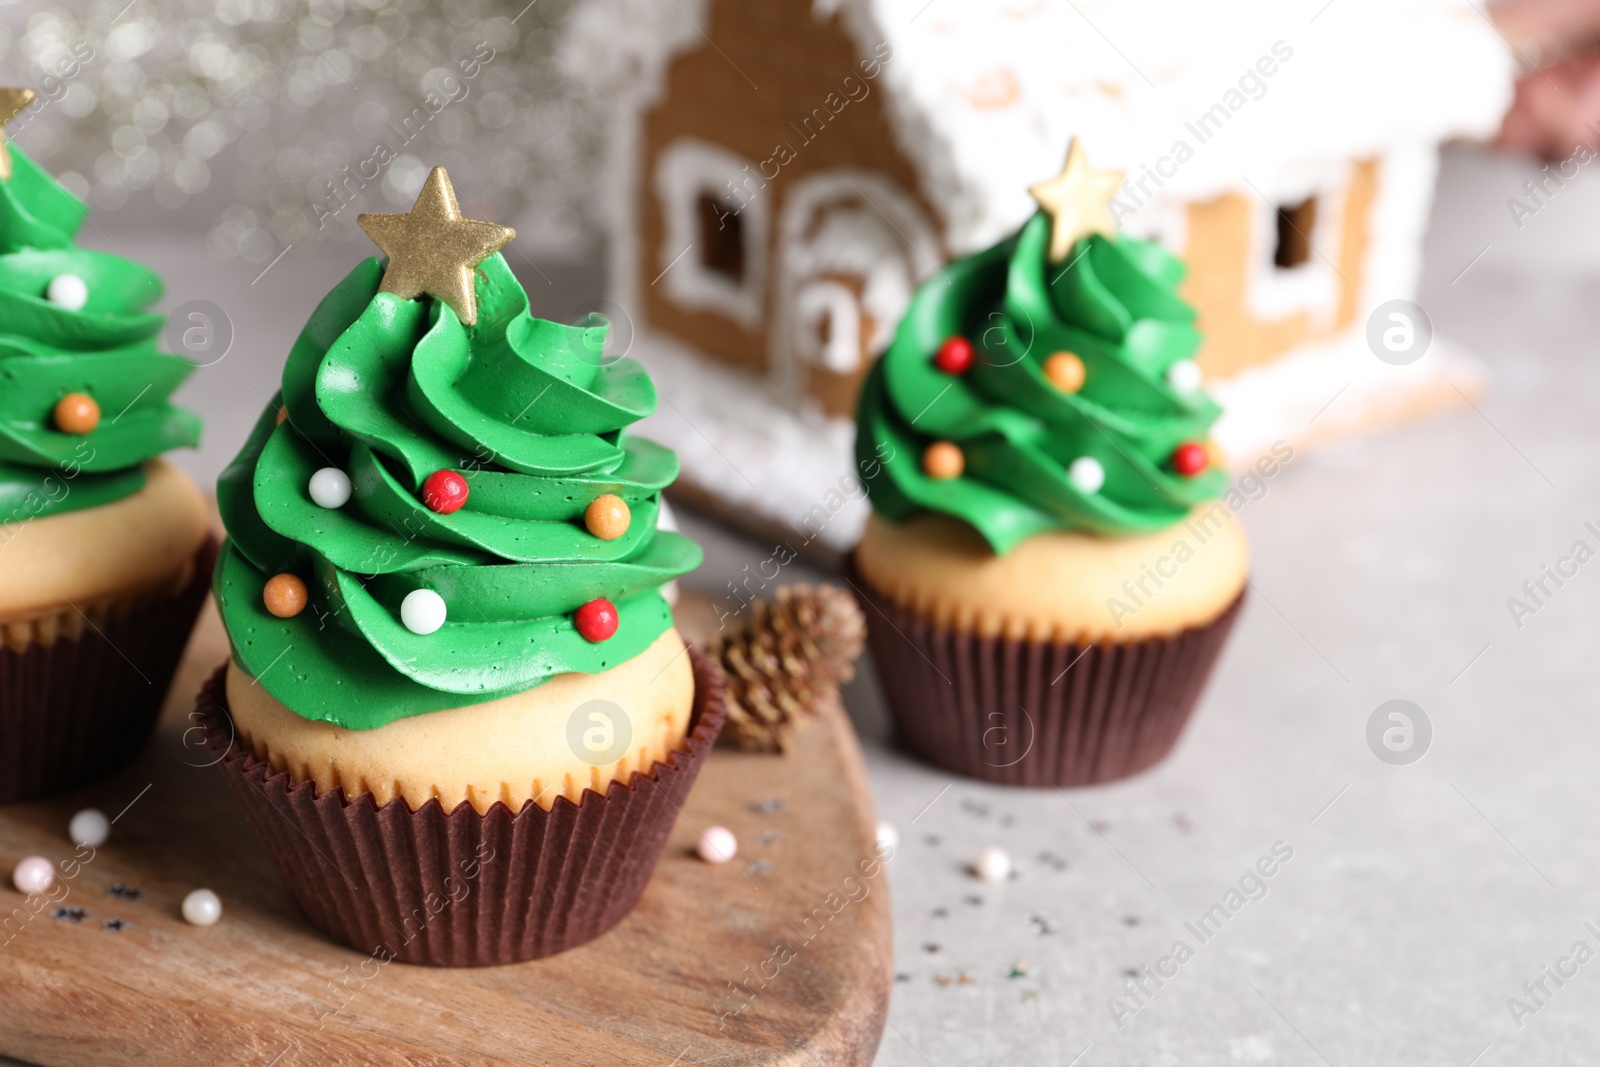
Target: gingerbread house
782	174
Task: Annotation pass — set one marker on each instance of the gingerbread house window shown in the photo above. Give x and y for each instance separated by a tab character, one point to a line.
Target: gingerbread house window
714	210
721	244
1296	223
830	326
1297	247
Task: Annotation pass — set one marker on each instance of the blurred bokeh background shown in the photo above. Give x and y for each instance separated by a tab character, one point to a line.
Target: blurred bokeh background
241	118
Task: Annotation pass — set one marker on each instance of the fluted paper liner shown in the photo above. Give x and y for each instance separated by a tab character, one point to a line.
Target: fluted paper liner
460	889
1038	713
80	691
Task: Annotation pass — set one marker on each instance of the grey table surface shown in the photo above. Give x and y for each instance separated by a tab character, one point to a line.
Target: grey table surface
1418	898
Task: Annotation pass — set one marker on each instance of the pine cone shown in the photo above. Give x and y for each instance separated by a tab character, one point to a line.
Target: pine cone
785	657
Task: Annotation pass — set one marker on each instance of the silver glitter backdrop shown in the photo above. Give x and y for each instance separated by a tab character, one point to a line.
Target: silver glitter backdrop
271	123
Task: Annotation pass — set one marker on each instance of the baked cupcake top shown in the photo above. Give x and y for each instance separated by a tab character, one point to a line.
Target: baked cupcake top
444	504
84	392
1046	383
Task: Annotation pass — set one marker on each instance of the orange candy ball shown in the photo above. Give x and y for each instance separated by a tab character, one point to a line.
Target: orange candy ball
285	595
1065	371
943	460
77	413
607	517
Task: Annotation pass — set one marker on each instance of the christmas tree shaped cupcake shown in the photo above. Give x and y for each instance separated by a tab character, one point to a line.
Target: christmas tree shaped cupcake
452	660
105	546
1048	537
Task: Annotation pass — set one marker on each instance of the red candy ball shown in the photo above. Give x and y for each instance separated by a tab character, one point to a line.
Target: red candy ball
444	492
597	620
1189	459
954	356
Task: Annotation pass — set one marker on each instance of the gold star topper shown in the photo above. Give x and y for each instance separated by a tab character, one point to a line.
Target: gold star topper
1078	201
434	250
12	101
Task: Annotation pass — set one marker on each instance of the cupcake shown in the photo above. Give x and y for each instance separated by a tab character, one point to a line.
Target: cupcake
457	710
106	546
1050	563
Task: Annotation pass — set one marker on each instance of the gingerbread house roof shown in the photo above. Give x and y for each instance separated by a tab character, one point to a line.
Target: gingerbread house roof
985	95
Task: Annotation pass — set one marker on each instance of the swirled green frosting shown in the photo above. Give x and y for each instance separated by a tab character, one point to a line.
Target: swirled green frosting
1114	304
106	349
391	390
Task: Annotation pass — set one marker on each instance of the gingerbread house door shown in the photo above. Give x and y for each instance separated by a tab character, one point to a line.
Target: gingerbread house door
852	247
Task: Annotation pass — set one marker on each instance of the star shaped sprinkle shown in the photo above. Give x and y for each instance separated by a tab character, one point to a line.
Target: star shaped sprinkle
12	101
1077	201
433	250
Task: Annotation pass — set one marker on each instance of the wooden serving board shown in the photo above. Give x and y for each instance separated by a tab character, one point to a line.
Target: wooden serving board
261	987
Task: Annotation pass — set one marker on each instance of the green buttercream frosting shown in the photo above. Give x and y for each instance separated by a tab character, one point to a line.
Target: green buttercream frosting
106	349
1114	304
389	391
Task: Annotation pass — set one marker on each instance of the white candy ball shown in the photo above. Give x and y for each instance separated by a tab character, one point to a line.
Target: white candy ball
330	488
68	291
1086	474
89	827
1184	376
993	865
888	837
422	611
717	844
202	908
33	875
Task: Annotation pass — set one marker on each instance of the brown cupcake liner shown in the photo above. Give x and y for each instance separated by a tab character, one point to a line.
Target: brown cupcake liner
460	889
80	691
1038	713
